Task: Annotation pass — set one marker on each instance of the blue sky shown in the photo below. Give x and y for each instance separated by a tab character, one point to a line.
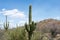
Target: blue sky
17	10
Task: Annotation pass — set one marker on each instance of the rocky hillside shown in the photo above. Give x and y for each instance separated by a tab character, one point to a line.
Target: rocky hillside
49	24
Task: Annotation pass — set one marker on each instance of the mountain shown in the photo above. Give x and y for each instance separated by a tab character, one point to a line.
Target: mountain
49	24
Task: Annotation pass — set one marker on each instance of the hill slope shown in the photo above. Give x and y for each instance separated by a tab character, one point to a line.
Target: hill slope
49	24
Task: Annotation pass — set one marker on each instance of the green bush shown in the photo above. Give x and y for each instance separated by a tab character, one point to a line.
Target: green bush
16	34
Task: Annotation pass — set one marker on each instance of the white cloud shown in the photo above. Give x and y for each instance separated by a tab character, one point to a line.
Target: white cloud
1	25
12	25
57	18
3	9
11	21
21	23
15	13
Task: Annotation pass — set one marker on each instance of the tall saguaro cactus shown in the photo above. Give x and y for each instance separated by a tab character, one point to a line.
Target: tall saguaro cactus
31	26
6	24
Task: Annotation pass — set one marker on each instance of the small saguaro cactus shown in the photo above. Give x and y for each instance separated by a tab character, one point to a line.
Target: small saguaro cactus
31	26
6	24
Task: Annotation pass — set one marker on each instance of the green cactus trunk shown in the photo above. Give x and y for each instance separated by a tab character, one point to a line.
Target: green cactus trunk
30	14
30	21
31	26
29	36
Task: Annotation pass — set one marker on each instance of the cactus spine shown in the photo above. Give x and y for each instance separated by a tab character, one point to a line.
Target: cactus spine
31	26
6	24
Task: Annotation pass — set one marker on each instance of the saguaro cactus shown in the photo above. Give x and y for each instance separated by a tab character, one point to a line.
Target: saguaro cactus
6	24
31	26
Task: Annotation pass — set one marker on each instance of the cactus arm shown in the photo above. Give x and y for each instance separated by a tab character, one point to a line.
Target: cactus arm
8	24
4	25
26	27
33	26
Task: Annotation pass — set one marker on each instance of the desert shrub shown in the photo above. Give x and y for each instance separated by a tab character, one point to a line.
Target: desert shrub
16	34
37	36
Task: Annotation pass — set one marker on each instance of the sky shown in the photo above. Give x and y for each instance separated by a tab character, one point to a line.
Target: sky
17	11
